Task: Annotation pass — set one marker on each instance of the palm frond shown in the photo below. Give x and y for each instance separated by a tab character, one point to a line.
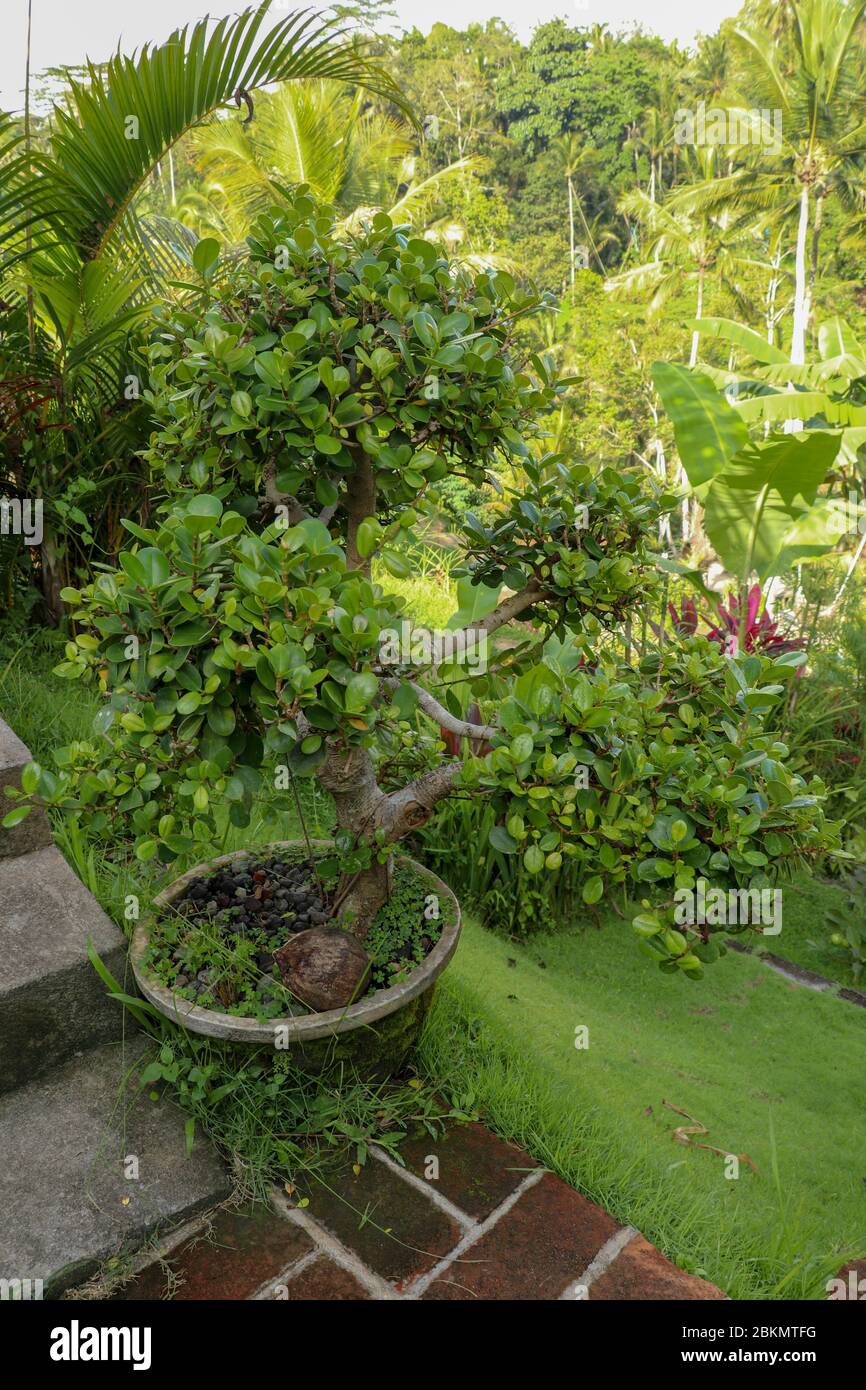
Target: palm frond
137	108
418	199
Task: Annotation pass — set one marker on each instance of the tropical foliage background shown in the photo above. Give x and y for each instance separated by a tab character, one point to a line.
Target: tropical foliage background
696	219
706	293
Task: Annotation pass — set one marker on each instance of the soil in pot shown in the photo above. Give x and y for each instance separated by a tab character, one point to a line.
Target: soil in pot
216	946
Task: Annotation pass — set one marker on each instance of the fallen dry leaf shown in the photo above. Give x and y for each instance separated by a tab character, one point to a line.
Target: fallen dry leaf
683	1135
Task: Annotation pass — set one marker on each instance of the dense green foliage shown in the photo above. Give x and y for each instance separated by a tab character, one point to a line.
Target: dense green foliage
349	338
228	643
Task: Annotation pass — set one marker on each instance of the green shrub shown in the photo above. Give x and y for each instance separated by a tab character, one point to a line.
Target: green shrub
304	411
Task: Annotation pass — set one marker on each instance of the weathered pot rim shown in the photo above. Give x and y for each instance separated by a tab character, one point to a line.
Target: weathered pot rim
212	1023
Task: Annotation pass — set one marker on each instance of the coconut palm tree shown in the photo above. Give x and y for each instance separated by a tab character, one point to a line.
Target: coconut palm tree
316	133
815	80
577	161
655	138
712	63
110	136
823	123
684	248
350	154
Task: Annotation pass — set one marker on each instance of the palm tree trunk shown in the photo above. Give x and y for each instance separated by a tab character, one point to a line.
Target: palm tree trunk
52	576
698	315
801	297
813	260
772	291
571	230
31	322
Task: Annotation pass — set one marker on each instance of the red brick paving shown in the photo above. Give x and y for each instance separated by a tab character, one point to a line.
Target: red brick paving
640	1271
244	1248
491	1226
388	1224
477	1171
540	1247
323	1281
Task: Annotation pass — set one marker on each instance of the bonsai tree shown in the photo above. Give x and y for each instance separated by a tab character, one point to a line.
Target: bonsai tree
306	403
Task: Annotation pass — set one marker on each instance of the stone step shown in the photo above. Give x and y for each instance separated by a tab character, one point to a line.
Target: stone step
52	1002
67	1145
34	831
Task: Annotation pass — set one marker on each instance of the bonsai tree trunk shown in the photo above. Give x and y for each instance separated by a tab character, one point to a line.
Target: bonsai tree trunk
348	775
381	819
363	809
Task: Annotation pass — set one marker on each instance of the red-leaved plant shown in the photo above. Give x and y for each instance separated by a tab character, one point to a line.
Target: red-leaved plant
759	634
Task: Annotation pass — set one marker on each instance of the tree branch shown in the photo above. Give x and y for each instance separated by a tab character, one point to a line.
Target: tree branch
464	728
508	610
408	808
275	498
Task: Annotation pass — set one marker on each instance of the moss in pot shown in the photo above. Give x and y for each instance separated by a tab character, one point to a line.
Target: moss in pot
232	939
193	964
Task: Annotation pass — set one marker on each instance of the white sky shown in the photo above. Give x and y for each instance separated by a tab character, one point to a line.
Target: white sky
67	31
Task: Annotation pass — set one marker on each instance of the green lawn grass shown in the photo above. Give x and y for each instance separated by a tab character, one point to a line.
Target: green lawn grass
771	1069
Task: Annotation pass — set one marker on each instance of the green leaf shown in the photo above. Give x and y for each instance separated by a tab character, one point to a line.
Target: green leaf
154	567
405	700
326	492
837	339
646	924
799	405
205	256
361	692
425	328
501	840
694	577
592	890
30	778
203	513
475	601
132	566
533	860
708	431
748	339
367	536
328	444
753	505
397	565
221	720
522	747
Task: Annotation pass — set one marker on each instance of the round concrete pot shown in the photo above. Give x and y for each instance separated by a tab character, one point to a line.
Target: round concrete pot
375	1035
